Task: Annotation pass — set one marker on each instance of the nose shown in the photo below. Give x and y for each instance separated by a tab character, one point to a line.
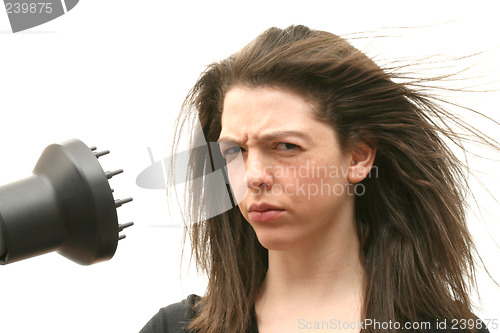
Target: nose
258	173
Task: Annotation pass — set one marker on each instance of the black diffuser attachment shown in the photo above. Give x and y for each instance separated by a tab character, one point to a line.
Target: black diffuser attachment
66	205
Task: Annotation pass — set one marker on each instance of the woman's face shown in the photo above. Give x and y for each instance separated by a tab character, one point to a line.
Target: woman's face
286	168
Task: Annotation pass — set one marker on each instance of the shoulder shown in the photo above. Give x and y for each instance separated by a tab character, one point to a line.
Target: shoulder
172	318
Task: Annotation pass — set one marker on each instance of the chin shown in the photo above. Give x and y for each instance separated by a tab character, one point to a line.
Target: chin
274	241
273	236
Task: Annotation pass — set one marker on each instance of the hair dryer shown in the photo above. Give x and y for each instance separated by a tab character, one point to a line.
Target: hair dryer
66	205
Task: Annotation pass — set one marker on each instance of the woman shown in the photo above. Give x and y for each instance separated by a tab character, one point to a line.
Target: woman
350	207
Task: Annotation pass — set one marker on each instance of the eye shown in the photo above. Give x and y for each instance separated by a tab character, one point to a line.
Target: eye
286	146
227	153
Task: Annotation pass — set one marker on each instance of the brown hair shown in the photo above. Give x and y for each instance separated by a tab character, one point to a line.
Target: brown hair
416	248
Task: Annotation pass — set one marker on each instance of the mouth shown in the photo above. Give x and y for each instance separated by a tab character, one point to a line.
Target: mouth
262	213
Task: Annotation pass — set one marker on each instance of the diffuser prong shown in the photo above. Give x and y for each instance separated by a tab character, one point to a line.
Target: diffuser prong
120	202
125	225
110	174
101	153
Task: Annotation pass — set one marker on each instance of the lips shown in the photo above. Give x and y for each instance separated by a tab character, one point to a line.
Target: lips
264	212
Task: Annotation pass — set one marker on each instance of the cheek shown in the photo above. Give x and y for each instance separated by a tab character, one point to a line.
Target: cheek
236	175
320	182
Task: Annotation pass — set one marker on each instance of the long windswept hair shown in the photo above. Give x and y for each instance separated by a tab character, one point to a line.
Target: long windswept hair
411	221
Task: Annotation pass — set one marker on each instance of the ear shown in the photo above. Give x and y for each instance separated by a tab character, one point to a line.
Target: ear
362	158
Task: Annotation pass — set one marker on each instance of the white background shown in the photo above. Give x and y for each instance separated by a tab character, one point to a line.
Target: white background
114	73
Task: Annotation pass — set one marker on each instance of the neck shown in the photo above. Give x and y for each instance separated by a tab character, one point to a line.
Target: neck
318	273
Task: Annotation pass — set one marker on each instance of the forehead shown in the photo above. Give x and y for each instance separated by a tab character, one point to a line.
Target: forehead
247	112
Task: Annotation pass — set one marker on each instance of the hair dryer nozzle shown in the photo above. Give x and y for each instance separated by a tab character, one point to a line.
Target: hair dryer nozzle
66	205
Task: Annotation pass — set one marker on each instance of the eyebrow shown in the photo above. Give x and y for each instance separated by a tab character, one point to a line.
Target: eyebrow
270	136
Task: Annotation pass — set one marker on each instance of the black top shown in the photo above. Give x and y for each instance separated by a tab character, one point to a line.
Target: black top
173	319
